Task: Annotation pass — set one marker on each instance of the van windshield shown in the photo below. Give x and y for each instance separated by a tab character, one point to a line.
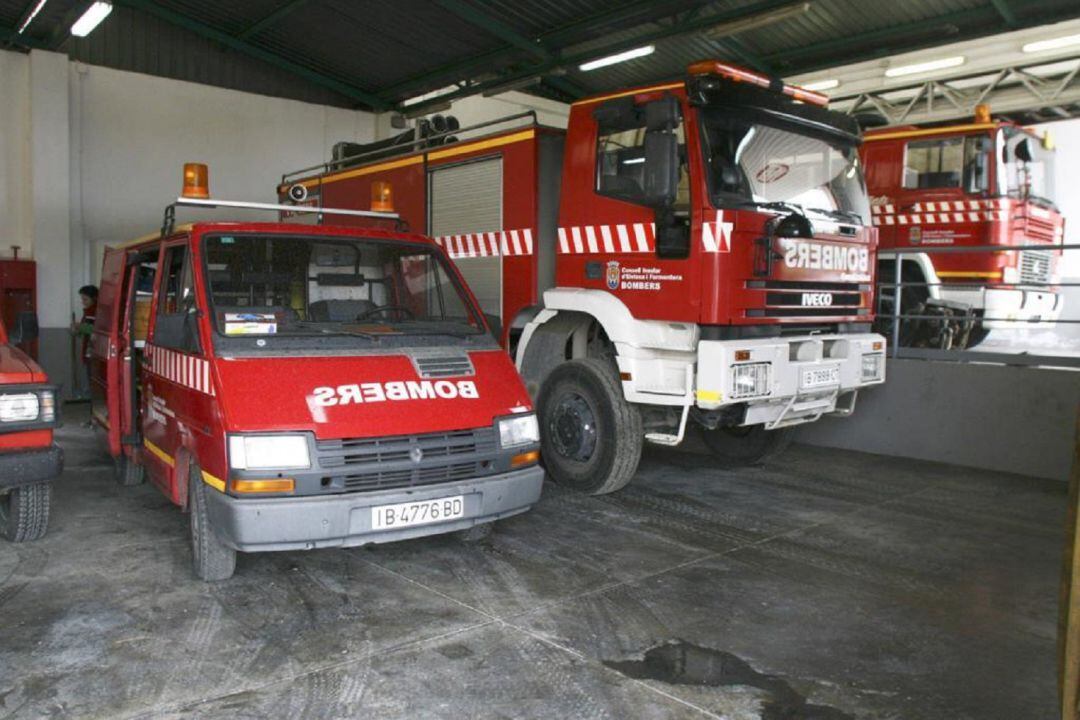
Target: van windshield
302	287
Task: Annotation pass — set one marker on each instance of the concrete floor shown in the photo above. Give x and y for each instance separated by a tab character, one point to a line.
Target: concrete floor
827	585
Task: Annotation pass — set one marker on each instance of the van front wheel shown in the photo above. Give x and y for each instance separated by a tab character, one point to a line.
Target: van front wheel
24	512
212	559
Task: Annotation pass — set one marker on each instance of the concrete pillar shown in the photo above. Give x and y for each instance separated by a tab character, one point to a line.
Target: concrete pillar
50	183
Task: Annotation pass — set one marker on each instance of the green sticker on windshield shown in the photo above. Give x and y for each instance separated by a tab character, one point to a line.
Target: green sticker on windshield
227	240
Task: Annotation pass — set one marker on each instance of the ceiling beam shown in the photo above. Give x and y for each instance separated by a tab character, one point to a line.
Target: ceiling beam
287	8
1006	12
318	78
62	32
8	36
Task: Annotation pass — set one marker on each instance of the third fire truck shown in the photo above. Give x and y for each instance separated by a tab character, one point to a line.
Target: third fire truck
697	251
982	183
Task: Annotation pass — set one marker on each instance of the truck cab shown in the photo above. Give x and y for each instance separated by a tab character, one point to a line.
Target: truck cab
986	183
299	387
29	457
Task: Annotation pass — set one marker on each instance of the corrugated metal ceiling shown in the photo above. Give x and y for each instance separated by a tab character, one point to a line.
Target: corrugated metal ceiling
376	53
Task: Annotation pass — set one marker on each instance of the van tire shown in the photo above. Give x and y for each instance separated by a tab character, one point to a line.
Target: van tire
24	512
211	559
590	437
745	446
475	534
127	472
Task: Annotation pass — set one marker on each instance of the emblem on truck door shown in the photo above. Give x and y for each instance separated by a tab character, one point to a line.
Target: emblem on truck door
613	275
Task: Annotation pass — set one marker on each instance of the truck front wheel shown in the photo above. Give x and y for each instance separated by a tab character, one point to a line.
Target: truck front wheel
746	445
24	512
212	559
590	436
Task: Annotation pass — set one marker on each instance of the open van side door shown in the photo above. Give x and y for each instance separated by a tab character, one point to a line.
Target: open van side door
105	349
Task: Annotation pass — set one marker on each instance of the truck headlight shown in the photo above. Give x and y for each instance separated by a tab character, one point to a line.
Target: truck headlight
519	430
871	366
268	452
750	380
38	406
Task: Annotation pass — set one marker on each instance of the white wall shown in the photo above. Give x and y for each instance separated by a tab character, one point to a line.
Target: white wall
1066	136
14	151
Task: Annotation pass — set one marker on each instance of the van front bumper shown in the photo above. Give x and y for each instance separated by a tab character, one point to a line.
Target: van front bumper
345	520
30	465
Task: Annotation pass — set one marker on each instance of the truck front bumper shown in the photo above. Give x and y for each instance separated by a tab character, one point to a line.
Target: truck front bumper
1008	307
345	520
788	380
30	465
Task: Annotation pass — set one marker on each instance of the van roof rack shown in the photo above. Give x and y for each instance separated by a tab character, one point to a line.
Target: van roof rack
168	222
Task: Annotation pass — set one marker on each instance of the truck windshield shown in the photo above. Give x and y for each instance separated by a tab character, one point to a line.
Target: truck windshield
751	162
1028	171
292	286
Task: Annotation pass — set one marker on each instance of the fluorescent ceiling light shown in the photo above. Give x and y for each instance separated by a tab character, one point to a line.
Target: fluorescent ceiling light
91	18
30	16
1052	44
430	95
820	85
617	58
928	66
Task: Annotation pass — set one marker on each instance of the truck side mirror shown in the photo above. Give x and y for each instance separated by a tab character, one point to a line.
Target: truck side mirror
26	328
1022	151
661	168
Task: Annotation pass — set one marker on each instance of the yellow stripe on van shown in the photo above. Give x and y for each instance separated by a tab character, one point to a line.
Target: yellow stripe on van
214	482
159	453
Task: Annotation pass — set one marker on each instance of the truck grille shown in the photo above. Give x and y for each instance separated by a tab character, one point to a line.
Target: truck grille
793	298
386	463
1035	266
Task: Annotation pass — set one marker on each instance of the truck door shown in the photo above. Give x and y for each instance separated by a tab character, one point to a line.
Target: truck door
170	377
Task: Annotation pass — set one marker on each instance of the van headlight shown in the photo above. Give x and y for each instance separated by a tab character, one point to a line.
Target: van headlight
519	430
750	380
37	406
268	452
871	366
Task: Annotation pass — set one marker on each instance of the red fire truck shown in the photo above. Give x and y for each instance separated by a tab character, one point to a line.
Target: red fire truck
983	183
300	387
29	459
697	250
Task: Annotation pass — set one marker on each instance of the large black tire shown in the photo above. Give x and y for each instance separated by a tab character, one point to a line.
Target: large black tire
127	472
590	437
24	512
743	446
211	559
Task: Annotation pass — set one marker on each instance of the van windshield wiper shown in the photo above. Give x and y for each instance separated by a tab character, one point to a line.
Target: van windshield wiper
328	331
775	205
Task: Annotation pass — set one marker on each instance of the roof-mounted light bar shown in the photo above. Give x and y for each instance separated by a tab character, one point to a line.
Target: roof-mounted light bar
244	205
738	74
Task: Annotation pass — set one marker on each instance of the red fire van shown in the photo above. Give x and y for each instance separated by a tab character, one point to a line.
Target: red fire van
298	386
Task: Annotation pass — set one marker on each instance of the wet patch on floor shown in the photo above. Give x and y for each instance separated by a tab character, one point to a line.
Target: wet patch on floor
681	663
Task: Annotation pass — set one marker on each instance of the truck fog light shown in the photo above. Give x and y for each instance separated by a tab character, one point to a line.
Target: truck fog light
19	407
750	380
518	430
265	452
871	366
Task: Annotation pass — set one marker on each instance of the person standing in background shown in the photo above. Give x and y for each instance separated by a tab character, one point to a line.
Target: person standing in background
83	329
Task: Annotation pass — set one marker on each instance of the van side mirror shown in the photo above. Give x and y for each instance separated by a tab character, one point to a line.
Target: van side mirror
25	329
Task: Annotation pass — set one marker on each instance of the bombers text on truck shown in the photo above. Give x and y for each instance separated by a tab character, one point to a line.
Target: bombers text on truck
696	251
298	387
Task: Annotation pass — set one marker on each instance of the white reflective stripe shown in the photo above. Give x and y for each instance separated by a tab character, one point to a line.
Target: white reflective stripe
708	239
471	245
517	242
528	241
624	238
605	235
890	220
564	247
575	233
590	238
642	240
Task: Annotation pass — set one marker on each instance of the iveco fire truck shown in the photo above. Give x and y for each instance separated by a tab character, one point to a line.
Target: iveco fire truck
296	387
988	182
697	251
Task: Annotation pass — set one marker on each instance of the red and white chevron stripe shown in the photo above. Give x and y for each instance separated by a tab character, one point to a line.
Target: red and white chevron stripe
944	212
595	239
183	369
487	244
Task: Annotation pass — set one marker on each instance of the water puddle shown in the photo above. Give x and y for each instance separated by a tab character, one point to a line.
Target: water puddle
681	663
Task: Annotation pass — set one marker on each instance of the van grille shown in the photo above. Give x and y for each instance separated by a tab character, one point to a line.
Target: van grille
443	366
385	463
1035	266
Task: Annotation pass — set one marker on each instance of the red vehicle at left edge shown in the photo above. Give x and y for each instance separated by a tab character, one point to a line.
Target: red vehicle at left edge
29	458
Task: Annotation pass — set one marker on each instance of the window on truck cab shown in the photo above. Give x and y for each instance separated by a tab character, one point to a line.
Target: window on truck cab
620	163
175	324
943	163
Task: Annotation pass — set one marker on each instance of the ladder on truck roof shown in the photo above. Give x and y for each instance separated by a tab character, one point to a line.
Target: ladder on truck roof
408	147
